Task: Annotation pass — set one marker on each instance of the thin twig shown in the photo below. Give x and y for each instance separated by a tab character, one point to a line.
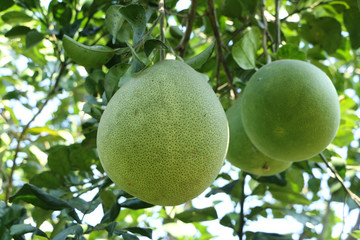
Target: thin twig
264	33
299	10
341	181
219	52
185	39
26	127
162	27
277	26
240	231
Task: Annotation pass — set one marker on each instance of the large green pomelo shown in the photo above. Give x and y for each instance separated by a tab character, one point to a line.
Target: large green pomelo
243	154
164	135
290	110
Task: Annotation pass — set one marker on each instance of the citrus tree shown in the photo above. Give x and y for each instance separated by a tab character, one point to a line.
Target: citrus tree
62	61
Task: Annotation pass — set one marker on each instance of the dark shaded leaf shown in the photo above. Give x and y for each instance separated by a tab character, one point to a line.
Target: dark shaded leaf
135	204
351	21
290	51
147	232
6	4
62	13
20	229
197	215
269	236
17	31
81	158
46	179
225	189
34	195
112	78
112	213
73	230
114	20
58	160
134	14
199	60
152	44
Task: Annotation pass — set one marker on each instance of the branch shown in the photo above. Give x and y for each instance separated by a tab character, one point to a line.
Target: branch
341	181
299	10
242	201
277	26
264	34
26	127
162	27
219	52
185	40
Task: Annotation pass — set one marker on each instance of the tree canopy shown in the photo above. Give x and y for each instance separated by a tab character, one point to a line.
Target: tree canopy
52	183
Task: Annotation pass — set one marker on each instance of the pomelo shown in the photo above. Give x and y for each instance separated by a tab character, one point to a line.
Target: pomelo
243	154
290	110
163	136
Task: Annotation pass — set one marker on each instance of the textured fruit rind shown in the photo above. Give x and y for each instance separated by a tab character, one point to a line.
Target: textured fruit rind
243	154
290	110
164	135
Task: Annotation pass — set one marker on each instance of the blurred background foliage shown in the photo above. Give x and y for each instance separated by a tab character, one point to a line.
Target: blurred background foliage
52	184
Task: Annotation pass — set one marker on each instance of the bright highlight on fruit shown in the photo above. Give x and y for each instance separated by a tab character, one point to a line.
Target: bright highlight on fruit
243	154
290	110
87	56
164	135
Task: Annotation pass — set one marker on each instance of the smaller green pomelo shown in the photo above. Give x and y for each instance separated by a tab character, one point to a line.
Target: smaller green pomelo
163	136
243	154
290	110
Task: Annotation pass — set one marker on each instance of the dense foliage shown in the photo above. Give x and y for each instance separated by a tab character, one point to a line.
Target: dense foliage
52	183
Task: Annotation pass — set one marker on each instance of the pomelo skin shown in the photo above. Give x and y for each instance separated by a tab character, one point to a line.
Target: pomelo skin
290	110
164	135
243	154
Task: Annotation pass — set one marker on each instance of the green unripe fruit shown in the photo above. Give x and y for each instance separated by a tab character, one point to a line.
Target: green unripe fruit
164	135
243	154
290	110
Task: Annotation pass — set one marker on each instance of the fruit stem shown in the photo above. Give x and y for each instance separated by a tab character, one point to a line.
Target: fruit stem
162	27
242	201
340	180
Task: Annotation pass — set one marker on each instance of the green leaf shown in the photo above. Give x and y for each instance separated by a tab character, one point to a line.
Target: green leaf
290	51
152	44
135	204
33	38
288	196
320	30
58	160
17	31
46	179
6	4
20	229
356	234
73	230
147	232
80	157
269	236
5	233
244	51
225	189
112	213
127	236
62	13
15	17
37	197
107	199
84	206
197	215
113	21
112	79
199	60
351	21
42	130
134	14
